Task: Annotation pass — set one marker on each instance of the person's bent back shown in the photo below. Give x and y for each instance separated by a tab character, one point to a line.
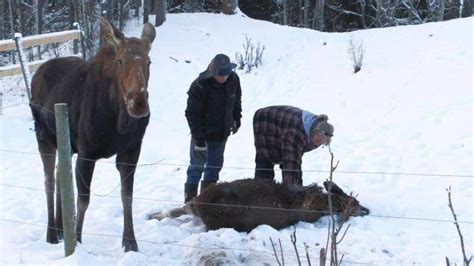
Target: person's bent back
282	135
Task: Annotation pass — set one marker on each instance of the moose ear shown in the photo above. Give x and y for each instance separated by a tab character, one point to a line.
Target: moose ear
148	33
331	187
110	34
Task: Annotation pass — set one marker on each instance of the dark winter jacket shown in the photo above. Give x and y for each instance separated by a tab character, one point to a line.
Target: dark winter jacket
281	138
212	108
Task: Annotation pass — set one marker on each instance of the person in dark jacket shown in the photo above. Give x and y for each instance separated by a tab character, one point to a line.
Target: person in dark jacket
282	135
213	111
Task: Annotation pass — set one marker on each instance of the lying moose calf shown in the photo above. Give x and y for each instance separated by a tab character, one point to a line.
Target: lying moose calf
245	204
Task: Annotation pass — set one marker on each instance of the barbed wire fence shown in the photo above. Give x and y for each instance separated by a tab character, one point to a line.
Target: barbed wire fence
164	163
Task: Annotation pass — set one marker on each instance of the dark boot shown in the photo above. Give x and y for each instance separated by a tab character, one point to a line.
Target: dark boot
190	191
206	184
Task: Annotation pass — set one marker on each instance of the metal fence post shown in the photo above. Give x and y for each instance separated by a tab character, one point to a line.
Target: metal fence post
65	177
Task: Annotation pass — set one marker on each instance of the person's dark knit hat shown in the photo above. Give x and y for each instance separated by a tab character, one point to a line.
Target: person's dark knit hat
219	66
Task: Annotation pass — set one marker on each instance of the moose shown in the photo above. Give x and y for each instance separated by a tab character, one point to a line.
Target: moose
244	204
108	113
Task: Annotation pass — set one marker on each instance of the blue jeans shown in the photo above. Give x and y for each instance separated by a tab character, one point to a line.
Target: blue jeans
210	162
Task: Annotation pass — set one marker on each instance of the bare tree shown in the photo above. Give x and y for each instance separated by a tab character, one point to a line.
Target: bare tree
442	4
319	14
228	6
160	9
306	14
466	10
2	20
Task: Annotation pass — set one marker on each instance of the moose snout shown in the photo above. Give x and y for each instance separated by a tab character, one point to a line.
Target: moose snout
137	104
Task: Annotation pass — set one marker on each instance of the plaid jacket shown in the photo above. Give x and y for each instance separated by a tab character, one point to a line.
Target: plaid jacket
280	137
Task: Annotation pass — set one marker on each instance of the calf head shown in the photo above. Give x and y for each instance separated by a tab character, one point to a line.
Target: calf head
345	204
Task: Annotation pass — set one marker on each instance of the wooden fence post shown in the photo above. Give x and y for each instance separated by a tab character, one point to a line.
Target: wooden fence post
24	66
65	177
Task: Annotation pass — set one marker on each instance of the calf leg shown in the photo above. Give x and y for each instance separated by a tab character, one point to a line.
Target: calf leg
126	165
48	157
84	171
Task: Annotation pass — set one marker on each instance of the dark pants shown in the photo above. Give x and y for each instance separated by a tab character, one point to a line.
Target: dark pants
210	162
263	168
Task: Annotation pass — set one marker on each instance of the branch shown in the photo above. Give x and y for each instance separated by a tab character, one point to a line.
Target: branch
274	251
466	261
293	241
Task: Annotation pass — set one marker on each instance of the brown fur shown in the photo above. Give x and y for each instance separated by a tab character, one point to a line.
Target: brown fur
108	115
245	204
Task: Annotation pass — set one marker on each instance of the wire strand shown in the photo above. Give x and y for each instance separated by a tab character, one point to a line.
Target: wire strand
261	207
161	162
266	253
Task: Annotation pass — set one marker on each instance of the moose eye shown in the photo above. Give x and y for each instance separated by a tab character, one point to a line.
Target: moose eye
119	61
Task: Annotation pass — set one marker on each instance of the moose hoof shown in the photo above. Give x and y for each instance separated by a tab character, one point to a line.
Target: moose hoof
130	245
52	237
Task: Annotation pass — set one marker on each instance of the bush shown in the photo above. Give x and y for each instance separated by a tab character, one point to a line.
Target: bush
356	53
252	56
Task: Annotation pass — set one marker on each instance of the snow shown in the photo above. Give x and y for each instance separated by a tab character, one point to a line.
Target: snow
403	134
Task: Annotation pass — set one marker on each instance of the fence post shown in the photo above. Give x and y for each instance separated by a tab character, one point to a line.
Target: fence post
24	66
81	40
64	173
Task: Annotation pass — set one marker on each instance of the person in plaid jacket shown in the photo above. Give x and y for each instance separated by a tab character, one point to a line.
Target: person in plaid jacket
282	135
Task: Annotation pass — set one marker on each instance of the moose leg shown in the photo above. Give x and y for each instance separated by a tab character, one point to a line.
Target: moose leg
126	164
48	156
84	171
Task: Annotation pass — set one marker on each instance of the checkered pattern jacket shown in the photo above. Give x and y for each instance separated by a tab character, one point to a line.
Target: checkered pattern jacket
280	137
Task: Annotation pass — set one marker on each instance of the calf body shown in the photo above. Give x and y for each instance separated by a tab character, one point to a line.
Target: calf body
245	204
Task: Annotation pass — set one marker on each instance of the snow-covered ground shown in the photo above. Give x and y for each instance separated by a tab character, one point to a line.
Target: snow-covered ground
403	134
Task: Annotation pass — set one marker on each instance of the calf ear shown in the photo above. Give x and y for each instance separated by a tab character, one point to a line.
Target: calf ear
331	187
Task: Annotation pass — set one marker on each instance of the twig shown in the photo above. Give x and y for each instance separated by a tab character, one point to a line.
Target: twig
274	251
281	251
340	240
307	254
466	261
293	240
322	257
176	60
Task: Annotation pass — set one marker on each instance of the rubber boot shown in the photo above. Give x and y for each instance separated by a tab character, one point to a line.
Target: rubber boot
206	184
190	191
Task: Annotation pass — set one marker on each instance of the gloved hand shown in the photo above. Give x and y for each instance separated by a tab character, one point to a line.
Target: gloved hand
235	127
200	145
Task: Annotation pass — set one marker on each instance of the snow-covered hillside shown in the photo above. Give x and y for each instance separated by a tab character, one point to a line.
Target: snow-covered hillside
403	134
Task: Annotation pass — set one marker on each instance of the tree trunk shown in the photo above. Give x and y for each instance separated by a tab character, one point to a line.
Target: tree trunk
306	14
21	19
228	6
300	13
285	12
110	10
161	8
442	5
146	10
466	10
319	14
362	13
2	20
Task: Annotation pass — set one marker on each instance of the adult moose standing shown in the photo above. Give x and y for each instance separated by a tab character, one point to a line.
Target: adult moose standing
109	113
